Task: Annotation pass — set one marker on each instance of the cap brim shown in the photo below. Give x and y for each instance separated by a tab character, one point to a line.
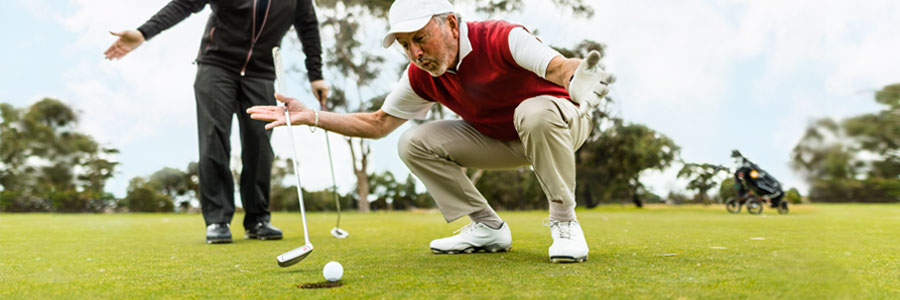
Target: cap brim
408	26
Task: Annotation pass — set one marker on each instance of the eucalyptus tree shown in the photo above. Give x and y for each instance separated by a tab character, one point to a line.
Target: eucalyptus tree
47	164
702	178
854	159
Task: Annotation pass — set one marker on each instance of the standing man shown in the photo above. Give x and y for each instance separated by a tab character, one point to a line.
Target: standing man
235	71
515	97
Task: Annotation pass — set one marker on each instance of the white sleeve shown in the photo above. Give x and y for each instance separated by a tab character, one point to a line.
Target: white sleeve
529	52
404	103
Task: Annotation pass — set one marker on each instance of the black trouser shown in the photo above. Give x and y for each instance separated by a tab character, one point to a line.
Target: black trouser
220	95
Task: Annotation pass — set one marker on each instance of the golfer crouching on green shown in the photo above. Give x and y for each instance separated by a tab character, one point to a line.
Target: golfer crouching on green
519	103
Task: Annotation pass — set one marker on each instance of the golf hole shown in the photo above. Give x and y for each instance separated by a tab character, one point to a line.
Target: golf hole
320	285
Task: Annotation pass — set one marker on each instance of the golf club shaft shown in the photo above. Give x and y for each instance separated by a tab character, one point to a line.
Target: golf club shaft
280	87
287	116
337	201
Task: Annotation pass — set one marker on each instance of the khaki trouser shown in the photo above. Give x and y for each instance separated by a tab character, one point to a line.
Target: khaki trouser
550	130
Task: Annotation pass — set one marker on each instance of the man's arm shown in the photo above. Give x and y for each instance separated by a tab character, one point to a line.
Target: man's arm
561	69
533	55
586	80
307	26
174	12
371	125
171	14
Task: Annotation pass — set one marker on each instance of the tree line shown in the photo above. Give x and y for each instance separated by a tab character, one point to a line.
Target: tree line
854	159
47	165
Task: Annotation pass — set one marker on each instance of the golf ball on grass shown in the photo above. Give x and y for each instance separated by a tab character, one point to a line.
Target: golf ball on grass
333	271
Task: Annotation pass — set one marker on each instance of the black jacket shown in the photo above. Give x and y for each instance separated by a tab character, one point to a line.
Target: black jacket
232	39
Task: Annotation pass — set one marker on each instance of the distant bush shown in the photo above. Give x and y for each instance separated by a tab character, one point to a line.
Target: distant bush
872	190
284	198
792	196
512	189
144	197
677	198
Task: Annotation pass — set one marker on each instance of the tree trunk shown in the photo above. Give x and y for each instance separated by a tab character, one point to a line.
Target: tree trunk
636	199
362	182
362	177
634	194
588	198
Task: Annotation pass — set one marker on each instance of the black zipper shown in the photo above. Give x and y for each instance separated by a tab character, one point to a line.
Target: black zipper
254	35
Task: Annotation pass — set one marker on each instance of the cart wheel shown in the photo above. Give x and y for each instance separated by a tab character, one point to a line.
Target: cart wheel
783	207
754	206
732	205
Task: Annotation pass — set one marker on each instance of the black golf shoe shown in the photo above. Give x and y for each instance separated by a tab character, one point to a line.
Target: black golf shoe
218	233
263	231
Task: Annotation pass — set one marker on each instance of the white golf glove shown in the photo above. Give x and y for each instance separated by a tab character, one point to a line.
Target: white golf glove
590	83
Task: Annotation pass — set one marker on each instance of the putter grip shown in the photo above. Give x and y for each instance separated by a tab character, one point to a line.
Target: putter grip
320	95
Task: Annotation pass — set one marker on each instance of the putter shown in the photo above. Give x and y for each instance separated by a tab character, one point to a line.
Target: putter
336	231
294	256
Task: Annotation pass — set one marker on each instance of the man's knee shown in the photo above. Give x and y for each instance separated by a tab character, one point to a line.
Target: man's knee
536	114
410	141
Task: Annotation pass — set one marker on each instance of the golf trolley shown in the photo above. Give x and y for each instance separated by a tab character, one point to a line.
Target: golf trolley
752	200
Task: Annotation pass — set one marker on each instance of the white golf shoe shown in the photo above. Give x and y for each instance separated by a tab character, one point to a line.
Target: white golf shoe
568	242
475	237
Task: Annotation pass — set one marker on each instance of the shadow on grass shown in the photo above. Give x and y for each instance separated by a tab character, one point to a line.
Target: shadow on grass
299	270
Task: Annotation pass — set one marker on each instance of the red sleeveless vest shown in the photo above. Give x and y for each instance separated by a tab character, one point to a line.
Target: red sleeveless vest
489	84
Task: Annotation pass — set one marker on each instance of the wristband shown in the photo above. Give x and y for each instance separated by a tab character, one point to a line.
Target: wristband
316	124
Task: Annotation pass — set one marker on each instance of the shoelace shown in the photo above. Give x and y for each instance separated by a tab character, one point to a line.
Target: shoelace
467	228
564	228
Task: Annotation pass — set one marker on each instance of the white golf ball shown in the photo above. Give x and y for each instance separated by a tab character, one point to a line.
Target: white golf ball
333	271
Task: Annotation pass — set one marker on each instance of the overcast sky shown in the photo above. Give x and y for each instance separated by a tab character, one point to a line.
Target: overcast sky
712	75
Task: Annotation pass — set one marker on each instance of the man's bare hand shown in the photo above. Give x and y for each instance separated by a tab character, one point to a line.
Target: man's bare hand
128	40
320	90
275	114
590	83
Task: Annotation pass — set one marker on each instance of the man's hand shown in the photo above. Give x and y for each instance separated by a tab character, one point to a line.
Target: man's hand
320	90
590	83
128	40
275	114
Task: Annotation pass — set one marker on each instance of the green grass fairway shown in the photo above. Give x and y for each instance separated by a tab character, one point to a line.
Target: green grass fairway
816	252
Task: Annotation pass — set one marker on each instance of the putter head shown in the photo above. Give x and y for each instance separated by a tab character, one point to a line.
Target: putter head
339	233
292	257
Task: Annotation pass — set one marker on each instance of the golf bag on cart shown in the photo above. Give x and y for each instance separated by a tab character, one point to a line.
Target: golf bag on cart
754	187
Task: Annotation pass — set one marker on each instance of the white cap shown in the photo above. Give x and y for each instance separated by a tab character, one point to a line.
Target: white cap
412	15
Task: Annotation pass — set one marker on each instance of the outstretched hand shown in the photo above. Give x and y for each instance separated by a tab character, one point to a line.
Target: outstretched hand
275	114
590	83
128	40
